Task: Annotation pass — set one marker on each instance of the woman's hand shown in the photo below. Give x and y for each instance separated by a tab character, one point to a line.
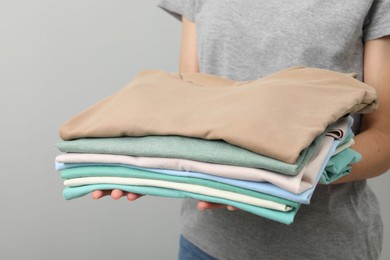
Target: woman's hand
202	205
115	194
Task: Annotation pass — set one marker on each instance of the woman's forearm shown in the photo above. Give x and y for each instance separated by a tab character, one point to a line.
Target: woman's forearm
374	146
373	143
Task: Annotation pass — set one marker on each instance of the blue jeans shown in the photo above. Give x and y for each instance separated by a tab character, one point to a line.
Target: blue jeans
189	251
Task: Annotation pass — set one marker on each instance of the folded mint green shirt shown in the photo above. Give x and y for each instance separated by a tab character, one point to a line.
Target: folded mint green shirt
339	165
188	148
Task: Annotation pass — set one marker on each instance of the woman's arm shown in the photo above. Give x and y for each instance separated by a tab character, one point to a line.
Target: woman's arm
373	143
188	52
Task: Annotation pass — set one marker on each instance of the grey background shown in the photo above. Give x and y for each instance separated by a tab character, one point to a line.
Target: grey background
57	58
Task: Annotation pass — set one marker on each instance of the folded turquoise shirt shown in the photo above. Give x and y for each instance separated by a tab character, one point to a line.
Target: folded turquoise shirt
339	165
282	217
121	171
188	148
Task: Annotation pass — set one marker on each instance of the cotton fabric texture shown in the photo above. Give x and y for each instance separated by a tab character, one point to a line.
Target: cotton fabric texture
339	166
305	180
273	215
315	169
186	186
124	172
119	175
178	147
200	150
159	103
245	40
294	184
198	189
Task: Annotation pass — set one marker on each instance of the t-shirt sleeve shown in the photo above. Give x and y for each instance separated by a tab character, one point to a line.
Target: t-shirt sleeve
377	22
179	8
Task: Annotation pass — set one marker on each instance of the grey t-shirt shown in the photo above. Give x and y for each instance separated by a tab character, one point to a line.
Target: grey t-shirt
244	40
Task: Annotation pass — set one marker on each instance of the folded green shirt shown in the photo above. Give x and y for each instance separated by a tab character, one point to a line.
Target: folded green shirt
339	165
188	148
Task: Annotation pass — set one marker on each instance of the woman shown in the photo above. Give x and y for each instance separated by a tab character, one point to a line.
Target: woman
245	40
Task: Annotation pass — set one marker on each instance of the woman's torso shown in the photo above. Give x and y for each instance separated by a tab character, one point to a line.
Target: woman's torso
244	40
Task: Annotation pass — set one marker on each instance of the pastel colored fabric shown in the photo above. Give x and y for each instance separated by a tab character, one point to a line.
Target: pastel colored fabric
147	107
118	171
280	216
263	187
349	135
344	146
295	184
218	152
339	165
68	160
178	147
179	186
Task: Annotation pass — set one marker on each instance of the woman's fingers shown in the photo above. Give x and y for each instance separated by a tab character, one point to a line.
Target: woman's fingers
202	205
97	194
232	208
133	196
115	194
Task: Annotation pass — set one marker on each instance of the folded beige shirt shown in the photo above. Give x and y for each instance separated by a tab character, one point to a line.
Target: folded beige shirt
277	116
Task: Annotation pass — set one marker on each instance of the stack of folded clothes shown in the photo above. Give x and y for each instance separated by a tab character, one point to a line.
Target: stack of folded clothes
261	145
